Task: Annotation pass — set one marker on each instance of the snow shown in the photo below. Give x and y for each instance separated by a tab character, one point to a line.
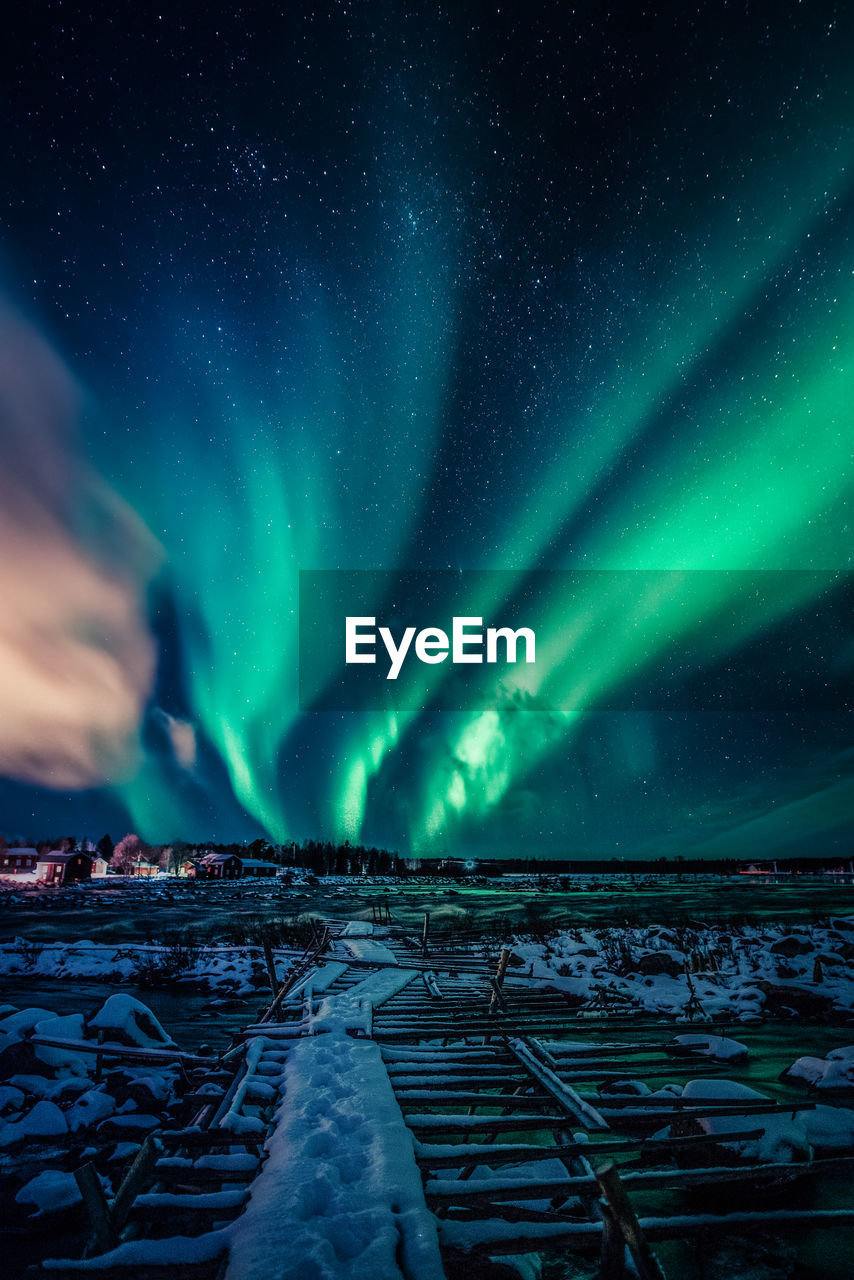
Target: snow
832	1075
49	1191
90	1108
17	1025
351	1010
340	1195
68	1027
357	937
718	1047
784	1140
225	969
368	950
44	1121
130	1022
171	1251
739	972
11	1099
829	1130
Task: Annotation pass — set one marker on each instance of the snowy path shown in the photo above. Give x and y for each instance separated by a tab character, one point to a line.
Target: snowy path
340	1194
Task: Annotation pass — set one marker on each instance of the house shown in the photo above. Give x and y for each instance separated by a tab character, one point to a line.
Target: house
256	867
99	865
61	867
219	866
15	862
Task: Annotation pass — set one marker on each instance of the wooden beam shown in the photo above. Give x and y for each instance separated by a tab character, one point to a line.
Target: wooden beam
625	1219
89	1184
133	1182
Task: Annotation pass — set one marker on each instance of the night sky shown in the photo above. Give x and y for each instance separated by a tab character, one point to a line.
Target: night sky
375	286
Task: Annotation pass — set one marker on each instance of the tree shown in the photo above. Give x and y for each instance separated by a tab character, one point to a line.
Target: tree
128	853
105	846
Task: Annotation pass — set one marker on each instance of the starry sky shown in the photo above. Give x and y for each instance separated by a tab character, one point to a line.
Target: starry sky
512	287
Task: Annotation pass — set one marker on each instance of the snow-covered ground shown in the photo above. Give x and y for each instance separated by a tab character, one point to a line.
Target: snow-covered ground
744	973
225	970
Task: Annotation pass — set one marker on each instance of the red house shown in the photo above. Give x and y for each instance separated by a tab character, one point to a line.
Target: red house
219	866
59	867
14	862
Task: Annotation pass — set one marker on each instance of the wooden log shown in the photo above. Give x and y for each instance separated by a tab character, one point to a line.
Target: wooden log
133	1182
427	1123
612	1255
424	933
564	1094
460	1098
474	1081
270	961
207	1138
455	1155
626	1222
497	1189
498	981
499	1238
128	1052
104	1236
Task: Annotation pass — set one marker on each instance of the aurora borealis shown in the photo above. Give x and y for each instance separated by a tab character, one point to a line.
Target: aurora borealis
514	288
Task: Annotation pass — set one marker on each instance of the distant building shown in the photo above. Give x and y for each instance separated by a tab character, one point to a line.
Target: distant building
15	862
219	866
255	867
61	867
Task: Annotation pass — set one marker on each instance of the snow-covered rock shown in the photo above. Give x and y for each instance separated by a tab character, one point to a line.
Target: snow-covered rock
829	1129
831	1075
718	1047
44	1121
91	1108
125	1020
784	1140
50	1191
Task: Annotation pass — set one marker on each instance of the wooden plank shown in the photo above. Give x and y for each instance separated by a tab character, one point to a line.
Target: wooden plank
702	1111
455	1155
128	1052
463	1099
104	1236
133	1181
489	1189
501	1238
494	1124
625	1219
206	1138
462	1082
270	962
563	1093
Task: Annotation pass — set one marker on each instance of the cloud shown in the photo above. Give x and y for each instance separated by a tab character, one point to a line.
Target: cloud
76	656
